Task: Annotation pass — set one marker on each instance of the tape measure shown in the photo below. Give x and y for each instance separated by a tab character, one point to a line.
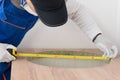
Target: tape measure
47	55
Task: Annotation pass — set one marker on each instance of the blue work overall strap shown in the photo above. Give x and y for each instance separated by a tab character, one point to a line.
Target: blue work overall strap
2	14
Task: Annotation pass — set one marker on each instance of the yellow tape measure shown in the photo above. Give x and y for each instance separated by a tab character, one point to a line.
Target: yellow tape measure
58	56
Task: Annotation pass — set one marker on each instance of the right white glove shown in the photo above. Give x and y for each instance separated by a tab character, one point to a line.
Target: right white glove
105	45
5	56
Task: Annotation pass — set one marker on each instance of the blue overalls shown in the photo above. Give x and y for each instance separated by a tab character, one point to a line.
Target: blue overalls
14	23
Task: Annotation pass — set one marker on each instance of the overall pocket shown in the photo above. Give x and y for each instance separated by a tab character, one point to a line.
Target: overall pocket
11	27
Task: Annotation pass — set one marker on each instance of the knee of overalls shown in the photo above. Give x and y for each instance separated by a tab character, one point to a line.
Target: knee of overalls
5	71
3	66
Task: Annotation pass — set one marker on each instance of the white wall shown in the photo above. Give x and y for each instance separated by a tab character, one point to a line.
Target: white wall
118	26
107	15
69	36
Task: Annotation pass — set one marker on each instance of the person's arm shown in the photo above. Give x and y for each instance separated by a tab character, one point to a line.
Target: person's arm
81	16
5	56
30	5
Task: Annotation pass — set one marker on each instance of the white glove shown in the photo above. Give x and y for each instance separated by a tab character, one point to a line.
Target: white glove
109	49
5	56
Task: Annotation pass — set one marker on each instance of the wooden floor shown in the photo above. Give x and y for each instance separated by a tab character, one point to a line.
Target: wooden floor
24	70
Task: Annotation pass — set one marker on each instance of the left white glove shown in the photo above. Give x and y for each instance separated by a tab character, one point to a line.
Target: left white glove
5	56
110	50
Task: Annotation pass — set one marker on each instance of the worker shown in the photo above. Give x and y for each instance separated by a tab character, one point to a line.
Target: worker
17	17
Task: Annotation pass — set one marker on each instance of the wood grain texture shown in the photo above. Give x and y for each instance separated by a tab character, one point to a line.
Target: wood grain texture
24	70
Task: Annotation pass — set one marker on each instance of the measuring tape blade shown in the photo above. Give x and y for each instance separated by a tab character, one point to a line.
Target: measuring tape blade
47	55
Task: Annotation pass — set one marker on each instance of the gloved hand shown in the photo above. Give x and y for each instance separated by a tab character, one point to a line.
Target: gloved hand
5	56
105	45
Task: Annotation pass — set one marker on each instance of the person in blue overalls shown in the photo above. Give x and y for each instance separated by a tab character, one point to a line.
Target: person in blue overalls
15	22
